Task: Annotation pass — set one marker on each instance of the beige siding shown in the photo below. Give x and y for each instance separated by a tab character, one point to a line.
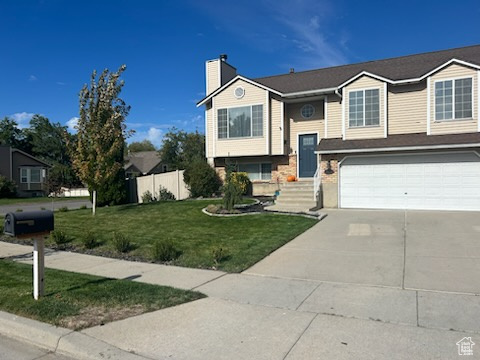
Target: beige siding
407	109
241	146
299	125
209	131
334	117
364	82
454	71
213	73
276	147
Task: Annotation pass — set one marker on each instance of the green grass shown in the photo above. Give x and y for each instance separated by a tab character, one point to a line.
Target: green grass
246	239
77	301
37	200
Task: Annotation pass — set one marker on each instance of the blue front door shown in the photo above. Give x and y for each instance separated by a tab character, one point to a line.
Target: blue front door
307	159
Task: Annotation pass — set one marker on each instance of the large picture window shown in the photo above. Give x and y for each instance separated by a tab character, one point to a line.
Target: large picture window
261	171
364	108
453	99
238	122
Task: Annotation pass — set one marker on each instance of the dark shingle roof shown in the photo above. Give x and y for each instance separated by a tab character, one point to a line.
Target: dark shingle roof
338	145
144	161
400	68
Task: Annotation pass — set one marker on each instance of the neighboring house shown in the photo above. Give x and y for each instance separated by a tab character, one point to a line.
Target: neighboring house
28	172
400	133
143	163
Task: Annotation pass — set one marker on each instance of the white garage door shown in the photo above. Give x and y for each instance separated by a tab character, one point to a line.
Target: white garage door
430	182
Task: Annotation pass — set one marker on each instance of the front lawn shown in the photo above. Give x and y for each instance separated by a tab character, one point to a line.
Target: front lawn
230	244
77	301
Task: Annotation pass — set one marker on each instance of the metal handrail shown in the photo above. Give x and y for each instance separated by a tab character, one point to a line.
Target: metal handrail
316	183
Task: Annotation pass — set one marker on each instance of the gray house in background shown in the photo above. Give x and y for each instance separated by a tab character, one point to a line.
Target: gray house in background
28	172
143	163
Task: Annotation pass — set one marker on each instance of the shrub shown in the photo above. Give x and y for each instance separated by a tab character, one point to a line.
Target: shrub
60	238
147	197
121	243
241	178
165	250
201	179
83	207
220	254
1	229
63	209
164	194
8	189
89	240
19	210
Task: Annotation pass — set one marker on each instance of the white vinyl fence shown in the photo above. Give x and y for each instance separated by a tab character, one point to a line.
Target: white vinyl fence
172	181
77	192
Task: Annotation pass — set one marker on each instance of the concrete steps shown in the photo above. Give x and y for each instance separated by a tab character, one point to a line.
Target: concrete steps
297	196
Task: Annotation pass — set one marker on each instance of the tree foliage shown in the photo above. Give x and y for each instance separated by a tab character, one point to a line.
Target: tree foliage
201	179
137	146
98	151
180	149
12	135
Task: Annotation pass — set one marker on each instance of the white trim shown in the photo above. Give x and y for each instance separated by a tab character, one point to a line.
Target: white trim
219	73
399	148
298	146
238	77
363	90
389	155
344	120
206	134
478	99
282	132
325	115
214	127
310	92
267	123
453	79
411	80
385	110
365	73
429	105
335	89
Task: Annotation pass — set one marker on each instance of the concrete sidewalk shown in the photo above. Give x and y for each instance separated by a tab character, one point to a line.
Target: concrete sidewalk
261	317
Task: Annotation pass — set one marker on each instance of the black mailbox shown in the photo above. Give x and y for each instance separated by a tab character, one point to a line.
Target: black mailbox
28	223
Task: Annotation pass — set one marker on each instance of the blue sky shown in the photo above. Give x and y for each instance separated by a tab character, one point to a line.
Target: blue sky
49	48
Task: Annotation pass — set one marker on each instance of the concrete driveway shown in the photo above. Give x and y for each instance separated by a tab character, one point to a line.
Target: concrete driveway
403	249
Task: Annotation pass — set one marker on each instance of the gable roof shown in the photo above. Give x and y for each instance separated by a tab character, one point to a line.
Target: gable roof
30	156
144	161
395	69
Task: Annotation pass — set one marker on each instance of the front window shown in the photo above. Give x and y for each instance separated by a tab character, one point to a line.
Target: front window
31	175
261	171
364	108
238	122
453	99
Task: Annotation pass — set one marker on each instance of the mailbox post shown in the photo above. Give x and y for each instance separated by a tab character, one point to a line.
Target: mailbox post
35	225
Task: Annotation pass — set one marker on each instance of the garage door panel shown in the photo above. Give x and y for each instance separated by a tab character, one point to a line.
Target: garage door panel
434	181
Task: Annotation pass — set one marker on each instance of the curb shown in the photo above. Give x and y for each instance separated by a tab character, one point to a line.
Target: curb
60	340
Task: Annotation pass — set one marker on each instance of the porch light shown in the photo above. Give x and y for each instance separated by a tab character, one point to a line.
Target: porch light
329	169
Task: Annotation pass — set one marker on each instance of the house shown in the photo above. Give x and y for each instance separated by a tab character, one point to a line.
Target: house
399	133
28	172
143	163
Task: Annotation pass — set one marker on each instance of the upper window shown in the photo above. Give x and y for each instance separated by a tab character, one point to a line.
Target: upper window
364	108
453	99
245	121
307	111
239	92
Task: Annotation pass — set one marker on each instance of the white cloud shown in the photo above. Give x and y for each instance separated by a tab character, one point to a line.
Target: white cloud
72	123
153	134
32	78
60	83
22	119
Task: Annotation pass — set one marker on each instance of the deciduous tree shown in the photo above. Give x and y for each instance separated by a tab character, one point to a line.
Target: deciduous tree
98	152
